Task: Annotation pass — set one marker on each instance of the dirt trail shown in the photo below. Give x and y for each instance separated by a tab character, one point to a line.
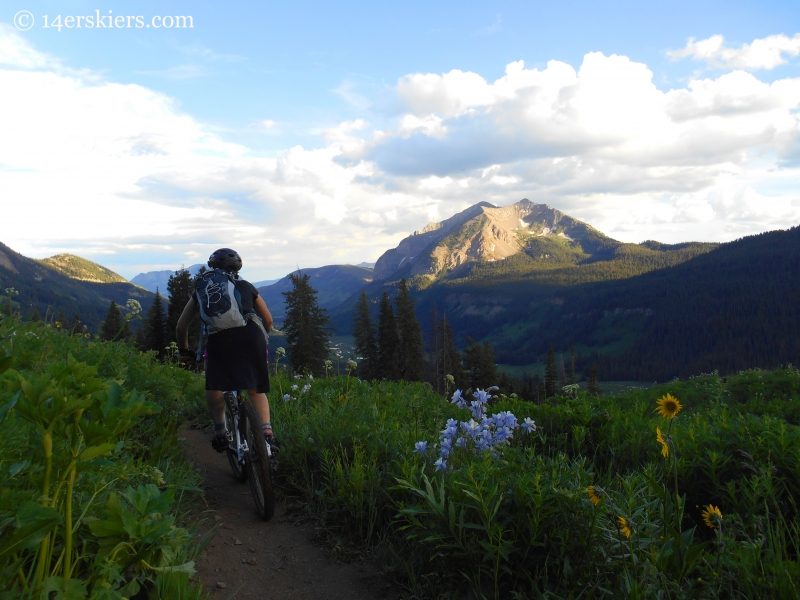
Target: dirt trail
249	558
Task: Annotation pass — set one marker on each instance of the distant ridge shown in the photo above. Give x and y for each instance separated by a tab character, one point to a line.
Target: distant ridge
153	280
76	267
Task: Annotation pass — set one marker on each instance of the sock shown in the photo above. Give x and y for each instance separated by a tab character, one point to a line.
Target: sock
219	430
266	428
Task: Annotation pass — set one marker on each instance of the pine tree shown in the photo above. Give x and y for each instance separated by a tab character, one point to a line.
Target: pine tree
411	353
550	376
141	338
571	367
479	361
594	382
62	319
305	326
35	316
111	327
180	288
156	324
388	341
365	342
562	375
450	358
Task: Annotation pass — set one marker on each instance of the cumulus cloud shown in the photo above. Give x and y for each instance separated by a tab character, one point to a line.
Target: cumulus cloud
765	53
122	173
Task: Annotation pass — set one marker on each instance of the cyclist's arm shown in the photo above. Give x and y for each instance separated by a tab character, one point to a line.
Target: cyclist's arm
263	312
182	331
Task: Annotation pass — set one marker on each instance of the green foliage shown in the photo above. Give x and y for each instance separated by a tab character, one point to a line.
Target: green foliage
522	523
479	364
112	325
86	425
366	346
388	341
156	327
410	354
180	288
306	327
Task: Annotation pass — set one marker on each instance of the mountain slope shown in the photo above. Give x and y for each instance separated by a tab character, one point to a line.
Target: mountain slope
76	267
49	290
485	233
153	280
334	285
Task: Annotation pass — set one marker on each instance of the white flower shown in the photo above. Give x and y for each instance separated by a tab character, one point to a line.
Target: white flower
306	389
310	377
298	376
529	425
295	387
133	306
286	397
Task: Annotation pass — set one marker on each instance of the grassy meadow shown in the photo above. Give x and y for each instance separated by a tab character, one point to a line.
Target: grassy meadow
605	498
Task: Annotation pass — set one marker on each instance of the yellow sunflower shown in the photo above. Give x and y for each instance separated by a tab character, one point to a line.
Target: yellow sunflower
624	527
668	406
663	442
593	496
712	515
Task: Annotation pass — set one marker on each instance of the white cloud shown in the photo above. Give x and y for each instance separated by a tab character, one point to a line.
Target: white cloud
766	53
94	167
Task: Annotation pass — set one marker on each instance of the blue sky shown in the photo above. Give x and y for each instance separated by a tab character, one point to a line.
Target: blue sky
325	132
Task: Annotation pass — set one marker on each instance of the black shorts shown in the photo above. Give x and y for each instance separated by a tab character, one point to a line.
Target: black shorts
237	360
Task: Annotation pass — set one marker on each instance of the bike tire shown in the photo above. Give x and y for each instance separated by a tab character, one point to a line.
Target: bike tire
258	463
239	470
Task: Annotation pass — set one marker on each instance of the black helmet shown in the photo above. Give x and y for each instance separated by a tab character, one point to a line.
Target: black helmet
225	259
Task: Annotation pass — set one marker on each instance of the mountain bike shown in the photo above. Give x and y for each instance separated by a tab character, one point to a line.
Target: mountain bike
250	455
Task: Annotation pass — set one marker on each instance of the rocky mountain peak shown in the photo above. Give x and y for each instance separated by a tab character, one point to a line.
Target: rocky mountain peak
482	232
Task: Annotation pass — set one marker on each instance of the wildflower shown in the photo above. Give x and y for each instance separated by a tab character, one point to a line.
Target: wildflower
286	397
133	307
668	406
712	515
280	352
157	476
295	387
351	365
529	425
663	442
450	378
310	377
328	364
458	400
86	335
306	389
58	324
447	446
482	396
298	376
440	464
624	527
592	496
421	447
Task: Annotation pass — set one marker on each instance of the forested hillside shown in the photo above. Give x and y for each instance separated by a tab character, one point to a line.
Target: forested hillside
45	290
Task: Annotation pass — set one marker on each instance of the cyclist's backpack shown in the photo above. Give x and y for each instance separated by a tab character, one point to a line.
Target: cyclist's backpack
219	301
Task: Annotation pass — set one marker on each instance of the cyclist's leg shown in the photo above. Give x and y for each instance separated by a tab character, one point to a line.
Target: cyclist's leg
216	406
261	403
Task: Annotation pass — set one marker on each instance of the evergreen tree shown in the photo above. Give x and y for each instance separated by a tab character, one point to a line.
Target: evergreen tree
365	342
550	376
388	341
562	375
156	326
62	319
594	382
411	353
35	316
571	367
450	358
305	326
111	327
479	361
180	288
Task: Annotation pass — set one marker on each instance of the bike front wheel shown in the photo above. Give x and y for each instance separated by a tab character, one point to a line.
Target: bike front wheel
237	465
258	462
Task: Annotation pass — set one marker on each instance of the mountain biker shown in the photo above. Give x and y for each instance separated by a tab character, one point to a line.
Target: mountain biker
237	357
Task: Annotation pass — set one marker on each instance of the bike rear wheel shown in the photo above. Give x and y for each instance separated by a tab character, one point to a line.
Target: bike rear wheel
238	468
258	462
